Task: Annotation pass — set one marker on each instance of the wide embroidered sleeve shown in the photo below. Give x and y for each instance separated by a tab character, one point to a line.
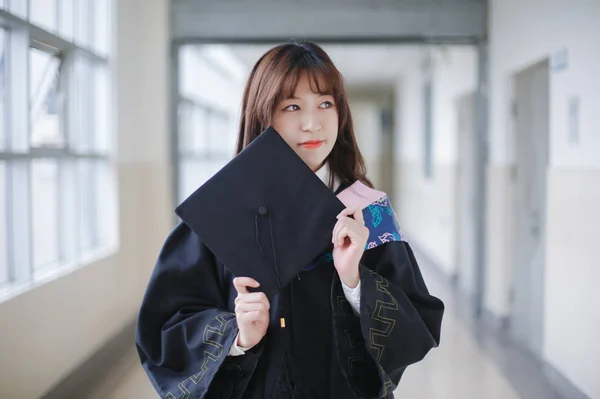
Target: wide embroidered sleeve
185	329
399	320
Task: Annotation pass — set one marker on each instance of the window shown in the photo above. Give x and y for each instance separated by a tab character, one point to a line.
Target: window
207	113
205	144
18	8
2	89
83	23
45	99
57	180
3	225
101	26
3	180
44	207
44	13
66	21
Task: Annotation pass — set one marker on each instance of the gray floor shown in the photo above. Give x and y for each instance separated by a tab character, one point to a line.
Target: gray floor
470	363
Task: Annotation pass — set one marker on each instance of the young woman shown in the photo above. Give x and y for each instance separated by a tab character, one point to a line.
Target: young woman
361	312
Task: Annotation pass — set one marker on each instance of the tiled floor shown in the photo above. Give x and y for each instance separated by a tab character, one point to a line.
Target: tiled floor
458	369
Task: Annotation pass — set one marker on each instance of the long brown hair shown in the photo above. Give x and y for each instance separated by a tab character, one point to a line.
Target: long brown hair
275	77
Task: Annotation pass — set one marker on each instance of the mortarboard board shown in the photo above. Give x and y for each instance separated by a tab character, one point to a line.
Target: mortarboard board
265	215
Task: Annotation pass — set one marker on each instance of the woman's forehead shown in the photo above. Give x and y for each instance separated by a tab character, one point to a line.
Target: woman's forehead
307	81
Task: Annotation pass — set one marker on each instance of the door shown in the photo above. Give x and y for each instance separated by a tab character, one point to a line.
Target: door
531	114
466	196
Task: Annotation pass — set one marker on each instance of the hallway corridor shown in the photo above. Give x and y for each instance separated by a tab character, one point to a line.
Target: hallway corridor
478	119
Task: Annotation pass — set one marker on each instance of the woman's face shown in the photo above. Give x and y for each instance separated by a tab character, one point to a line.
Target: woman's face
308	122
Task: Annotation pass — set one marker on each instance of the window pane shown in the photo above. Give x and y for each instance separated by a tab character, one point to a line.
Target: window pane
193	174
45	99
18	7
220	138
101	109
44	196
83	23
87	205
82	134
43	13
107	204
3	112
184	115
212	130
199	137
3	225
65	18
101	21
67	203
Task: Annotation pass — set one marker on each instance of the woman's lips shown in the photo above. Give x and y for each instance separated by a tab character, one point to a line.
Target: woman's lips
312	144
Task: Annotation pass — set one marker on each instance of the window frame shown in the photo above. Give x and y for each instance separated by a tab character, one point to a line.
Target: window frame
17	154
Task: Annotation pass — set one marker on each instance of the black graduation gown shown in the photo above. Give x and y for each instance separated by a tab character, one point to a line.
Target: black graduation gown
187	325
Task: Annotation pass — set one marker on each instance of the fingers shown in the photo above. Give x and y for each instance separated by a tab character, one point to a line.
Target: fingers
336	238
358	216
241	284
255	297
342	236
249	317
355	212
256	312
347	227
251	307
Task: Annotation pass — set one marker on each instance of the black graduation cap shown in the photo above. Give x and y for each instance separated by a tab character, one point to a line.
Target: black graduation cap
265	215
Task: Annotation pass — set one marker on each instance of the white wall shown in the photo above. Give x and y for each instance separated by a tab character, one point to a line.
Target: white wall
47	332
523	33
426	207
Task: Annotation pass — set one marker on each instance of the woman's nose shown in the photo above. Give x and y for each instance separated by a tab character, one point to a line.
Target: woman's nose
310	123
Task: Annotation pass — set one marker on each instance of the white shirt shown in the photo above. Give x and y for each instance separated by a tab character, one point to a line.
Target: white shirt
352	294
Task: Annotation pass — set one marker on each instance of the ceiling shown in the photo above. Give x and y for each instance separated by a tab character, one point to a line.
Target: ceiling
407	21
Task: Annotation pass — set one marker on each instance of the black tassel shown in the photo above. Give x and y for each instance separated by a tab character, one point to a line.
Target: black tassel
288	382
287	385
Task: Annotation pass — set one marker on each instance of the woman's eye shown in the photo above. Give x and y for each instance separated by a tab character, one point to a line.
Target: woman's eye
292	107
327	104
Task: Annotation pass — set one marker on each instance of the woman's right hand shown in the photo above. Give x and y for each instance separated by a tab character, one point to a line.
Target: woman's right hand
251	312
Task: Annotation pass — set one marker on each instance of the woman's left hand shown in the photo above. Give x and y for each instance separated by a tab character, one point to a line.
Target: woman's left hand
349	240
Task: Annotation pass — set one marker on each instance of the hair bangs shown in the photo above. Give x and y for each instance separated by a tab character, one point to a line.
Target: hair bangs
324	80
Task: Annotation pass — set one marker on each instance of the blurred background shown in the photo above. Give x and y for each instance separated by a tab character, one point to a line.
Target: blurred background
476	117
